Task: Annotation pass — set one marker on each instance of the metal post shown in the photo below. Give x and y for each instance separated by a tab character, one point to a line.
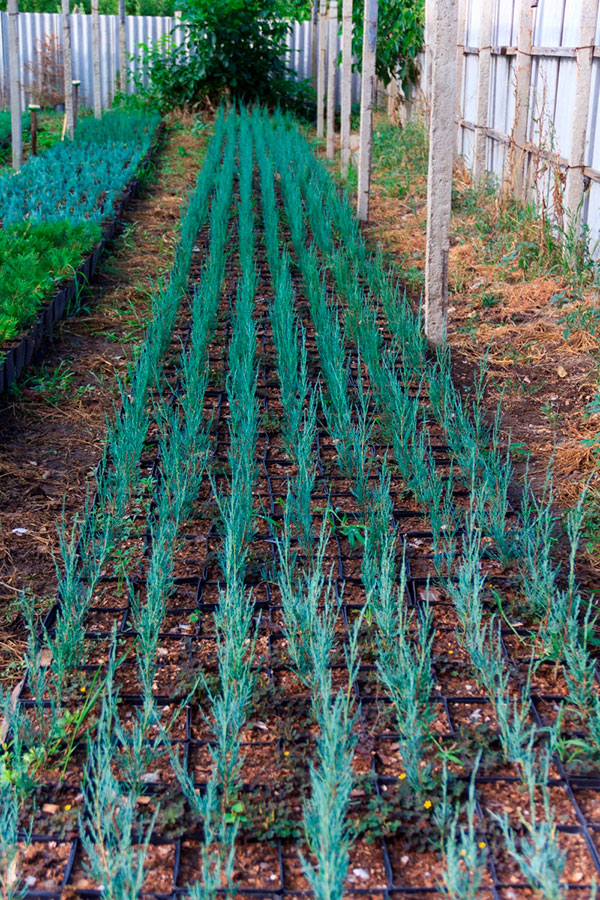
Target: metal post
75	102
33	110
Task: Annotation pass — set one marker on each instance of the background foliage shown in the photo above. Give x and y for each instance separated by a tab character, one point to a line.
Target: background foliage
400	36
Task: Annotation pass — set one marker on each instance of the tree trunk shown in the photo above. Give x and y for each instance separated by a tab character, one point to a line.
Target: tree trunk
68	67
346	111
367	101
332	68
321	68
16	127
441	161
96	58
122	48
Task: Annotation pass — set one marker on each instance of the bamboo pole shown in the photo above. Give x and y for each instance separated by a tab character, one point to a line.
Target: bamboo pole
367	100
68	67
444	22
16	124
321	68
522	96
122	48
96	59
346	111
574	190
331	71
483	91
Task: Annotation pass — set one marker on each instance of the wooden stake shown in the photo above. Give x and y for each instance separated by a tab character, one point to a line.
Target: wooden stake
574	190
96	59
346	111
321	68
483	91
16	124
68	67
122	48
444	23
367	101
522	94
331	70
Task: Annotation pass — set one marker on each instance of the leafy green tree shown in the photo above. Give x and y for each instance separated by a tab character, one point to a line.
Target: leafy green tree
400	36
234	47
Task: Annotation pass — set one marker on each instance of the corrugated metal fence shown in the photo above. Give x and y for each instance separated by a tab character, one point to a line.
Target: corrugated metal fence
34	28
553	85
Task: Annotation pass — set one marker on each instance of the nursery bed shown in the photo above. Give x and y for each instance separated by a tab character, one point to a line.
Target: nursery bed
16	355
396	849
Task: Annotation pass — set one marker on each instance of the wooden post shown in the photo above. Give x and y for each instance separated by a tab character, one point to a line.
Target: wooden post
367	100
321	68
314	43
96	59
441	159
16	124
331	71
483	91
346	110
460	68
33	111
68	67
574	189
122	48
522	95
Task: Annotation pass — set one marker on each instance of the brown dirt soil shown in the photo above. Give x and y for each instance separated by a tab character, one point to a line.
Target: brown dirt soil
545	375
53	425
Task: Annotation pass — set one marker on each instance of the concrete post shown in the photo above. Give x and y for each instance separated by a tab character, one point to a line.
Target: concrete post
331	72
522	96
314	43
460	67
367	101
16	124
96	59
122	48
346	111
483	90
321	68
68	67
585	55
441	160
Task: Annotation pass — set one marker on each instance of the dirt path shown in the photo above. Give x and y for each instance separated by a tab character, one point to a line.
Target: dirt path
53	426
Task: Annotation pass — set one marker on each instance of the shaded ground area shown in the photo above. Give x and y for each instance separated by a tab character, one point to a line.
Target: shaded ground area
53	425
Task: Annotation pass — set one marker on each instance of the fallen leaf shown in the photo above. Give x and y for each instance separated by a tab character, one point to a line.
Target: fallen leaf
561	372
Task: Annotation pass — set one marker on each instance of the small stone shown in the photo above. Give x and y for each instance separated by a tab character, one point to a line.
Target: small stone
50	808
361	873
404	859
577	877
30	880
561	372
